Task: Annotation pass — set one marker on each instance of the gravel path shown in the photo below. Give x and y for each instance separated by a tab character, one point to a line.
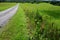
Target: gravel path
7	14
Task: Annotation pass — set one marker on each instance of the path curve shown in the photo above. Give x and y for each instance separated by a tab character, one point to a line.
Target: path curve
7	14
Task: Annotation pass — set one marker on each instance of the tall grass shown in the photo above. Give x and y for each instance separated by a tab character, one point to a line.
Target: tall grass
42	18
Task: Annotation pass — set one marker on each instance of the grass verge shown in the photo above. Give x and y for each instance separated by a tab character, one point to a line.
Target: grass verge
16	29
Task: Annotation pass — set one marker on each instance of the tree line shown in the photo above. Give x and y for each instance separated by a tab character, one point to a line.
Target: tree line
54	2
26	0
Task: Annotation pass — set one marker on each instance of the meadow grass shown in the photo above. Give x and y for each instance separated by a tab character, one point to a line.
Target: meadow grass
4	6
44	9
45	13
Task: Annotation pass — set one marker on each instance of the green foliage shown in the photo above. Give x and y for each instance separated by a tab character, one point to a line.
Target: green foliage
43	16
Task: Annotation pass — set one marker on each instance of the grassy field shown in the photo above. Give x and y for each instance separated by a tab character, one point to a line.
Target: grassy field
44	18
4	6
44	9
33	22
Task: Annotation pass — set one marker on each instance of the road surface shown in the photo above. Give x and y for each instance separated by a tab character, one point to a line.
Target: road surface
7	14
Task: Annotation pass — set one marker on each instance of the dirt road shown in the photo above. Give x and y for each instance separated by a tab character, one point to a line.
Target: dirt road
7	14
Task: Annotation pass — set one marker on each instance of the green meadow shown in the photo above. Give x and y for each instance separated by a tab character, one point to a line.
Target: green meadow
33	22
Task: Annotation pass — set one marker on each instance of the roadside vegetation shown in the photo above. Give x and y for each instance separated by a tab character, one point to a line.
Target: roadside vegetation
33	22
43	21
16	28
4	6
